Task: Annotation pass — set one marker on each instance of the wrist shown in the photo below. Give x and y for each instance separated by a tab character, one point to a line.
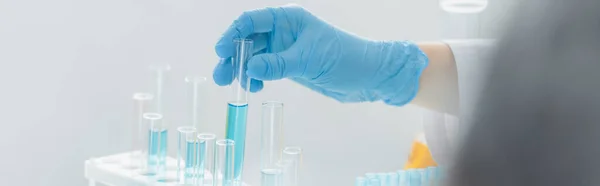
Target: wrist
404	63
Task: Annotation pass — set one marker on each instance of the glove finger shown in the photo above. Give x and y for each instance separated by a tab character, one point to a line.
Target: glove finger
250	22
274	66
223	72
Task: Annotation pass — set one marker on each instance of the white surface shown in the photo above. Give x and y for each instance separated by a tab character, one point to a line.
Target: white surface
69	68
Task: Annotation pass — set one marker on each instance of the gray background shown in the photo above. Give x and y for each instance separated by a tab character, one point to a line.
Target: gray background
69	68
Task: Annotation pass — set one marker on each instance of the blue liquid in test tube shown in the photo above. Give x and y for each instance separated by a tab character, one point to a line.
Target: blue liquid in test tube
157	144
157	150
236	131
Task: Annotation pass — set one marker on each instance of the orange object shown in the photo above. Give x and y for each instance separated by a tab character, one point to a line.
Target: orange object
420	157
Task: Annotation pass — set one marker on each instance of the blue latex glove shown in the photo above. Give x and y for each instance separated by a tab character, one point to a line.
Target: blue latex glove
292	43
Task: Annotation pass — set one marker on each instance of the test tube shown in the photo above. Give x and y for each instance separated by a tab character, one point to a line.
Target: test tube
237	106
431	171
374	182
383	179
292	161
393	179
402	178
414	178
424	177
142	104
156	150
271	143
371	175
224	163
186	154
194	86
206	158
158	82
360	181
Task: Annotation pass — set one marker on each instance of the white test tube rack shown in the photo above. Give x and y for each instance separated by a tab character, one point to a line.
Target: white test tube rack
110	171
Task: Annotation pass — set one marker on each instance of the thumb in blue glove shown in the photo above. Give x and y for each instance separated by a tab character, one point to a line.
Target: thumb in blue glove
290	42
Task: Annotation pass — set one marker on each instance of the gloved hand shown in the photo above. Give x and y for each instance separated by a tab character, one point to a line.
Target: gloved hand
290	42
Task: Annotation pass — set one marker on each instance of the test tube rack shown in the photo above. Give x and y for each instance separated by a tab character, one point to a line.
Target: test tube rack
112	170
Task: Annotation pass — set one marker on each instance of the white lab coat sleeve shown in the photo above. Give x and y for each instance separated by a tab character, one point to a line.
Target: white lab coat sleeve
443	132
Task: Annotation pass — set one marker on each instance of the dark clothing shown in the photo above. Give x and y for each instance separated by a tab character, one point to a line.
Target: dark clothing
538	122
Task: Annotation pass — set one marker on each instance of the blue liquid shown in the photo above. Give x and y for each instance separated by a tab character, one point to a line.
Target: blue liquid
190	155
236	131
157	149
201	161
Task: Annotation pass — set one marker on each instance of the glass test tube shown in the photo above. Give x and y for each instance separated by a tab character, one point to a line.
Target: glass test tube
374	182
393	179
431	171
360	181
414	178
206	158
371	175
224	163
424	177
402	178
195	85
292	161
271	143
186	154
237	106
156	148
142	104
158	79
382	178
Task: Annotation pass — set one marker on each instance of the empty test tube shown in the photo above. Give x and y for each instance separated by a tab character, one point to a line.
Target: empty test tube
393	179
402	178
424	177
186	154
224	163
414	178
206	157
237	106
383	179
195	88
431	172
156	149
158	73
292	161
360	181
374	182
142	104
271	144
